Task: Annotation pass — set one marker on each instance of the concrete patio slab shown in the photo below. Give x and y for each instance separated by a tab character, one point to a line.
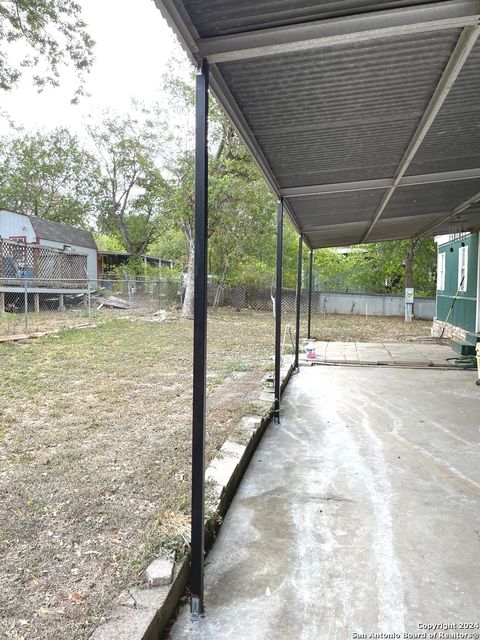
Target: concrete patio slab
387	353
359	513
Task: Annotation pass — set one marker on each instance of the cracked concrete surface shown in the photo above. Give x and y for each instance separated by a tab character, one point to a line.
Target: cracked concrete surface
359	513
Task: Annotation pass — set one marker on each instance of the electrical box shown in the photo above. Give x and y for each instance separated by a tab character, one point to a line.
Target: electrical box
409	294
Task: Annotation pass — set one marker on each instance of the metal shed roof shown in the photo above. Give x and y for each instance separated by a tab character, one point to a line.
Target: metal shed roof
363	115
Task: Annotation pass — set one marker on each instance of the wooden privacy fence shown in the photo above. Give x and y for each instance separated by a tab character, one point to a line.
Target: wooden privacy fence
40	266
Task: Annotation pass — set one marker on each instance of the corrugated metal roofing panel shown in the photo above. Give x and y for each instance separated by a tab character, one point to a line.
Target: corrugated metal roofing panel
217	17
346	113
335	208
326	218
319	112
453	141
408	227
351	234
430	198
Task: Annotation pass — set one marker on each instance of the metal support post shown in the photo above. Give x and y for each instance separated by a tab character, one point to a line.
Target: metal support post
310	283
36	299
89	303
199	343
298	300
278	310
2	304
25	306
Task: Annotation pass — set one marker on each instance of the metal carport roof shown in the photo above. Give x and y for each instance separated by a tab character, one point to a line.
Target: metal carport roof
363	115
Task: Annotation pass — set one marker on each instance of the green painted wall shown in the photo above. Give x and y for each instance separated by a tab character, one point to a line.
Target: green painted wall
465	309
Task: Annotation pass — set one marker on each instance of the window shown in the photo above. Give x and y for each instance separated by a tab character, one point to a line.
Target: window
462	268
441	272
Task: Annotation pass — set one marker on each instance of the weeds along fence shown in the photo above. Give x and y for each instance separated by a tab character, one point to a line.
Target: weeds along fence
32	305
29	306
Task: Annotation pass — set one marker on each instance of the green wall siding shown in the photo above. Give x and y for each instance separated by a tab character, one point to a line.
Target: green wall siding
465	309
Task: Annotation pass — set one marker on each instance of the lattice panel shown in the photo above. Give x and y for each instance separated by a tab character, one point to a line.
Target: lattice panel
41	266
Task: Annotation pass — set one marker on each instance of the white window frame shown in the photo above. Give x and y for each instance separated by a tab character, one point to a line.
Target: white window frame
462	268
441	271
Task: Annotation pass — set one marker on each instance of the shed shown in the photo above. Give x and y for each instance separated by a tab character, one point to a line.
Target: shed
32	229
108	260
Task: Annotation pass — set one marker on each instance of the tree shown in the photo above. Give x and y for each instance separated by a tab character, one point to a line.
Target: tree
389	267
333	269
131	189
241	210
170	245
243	217
48	34
107	242
48	175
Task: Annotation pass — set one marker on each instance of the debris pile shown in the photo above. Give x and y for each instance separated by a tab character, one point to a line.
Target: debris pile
108	301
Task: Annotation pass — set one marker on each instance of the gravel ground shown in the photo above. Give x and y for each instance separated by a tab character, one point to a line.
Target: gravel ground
95	452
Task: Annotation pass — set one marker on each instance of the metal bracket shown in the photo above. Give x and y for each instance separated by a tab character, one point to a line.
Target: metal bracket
195	608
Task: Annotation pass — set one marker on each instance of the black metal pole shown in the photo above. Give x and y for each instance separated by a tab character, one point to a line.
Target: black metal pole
298	300
310	282
278	310
199	342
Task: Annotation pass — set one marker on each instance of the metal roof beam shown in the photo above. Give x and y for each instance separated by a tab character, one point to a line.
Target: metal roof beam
428	218
454	66
341	187
436	16
380	183
461	207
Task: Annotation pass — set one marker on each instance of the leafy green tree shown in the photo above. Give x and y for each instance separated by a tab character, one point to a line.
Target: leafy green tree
241	210
389	267
131	189
382	267
333	269
49	175
43	35
107	242
171	246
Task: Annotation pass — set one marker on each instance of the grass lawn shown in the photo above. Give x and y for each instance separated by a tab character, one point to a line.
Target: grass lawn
95	454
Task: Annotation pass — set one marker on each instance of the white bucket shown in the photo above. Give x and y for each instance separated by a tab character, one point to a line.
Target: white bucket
310	351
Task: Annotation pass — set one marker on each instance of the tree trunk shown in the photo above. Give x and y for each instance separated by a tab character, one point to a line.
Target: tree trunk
187	309
409	281
219	291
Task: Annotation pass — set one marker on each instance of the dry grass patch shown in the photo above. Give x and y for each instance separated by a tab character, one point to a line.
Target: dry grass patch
94	454
343	328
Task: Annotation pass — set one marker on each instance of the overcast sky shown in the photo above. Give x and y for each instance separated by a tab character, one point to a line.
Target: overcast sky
134	45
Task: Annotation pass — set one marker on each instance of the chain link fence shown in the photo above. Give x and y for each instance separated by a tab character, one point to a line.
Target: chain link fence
256	298
30	308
